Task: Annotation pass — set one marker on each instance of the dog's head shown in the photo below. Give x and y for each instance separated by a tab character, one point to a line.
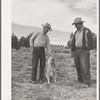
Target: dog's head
51	61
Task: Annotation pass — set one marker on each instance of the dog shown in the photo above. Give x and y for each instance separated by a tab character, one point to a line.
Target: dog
50	70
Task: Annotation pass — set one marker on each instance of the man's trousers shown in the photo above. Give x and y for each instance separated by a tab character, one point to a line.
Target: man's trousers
38	54
82	62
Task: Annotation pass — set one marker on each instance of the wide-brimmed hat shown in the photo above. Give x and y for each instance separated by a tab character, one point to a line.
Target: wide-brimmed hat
78	20
48	26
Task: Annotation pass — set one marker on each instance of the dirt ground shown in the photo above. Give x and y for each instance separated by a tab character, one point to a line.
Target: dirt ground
66	87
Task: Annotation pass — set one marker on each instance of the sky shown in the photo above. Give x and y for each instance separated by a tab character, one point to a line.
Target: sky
59	13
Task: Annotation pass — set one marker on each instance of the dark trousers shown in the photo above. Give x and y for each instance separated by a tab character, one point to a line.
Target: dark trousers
82	62
38	54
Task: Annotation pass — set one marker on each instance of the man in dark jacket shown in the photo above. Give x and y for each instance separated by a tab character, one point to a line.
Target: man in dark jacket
81	45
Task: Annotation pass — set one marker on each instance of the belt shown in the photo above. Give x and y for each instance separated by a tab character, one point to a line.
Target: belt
39	47
78	47
81	48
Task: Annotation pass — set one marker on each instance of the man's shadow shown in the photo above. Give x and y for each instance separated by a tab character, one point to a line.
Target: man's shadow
94	81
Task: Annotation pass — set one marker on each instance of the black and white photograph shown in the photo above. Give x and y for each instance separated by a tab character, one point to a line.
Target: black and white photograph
54	50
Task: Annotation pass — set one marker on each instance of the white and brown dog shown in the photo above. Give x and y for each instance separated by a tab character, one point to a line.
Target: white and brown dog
50	70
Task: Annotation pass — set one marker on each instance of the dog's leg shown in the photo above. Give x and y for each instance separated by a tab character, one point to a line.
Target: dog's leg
48	79
55	76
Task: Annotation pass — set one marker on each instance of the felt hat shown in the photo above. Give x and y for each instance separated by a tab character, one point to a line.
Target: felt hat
47	26
78	20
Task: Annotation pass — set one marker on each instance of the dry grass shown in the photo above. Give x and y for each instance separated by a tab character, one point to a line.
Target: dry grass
66	88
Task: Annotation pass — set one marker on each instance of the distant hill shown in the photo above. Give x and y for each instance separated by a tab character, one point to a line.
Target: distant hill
56	37
21	30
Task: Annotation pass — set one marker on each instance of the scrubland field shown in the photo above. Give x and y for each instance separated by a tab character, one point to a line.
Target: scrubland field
66	88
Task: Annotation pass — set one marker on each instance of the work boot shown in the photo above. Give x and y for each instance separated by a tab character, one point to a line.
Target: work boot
86	84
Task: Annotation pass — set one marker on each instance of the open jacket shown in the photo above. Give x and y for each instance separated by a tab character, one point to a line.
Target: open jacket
87	37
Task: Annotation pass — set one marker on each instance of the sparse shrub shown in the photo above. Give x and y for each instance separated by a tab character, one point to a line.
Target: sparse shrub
66	51
14	41
59	49
22	42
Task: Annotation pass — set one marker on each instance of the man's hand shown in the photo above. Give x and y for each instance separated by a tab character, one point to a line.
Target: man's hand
48	55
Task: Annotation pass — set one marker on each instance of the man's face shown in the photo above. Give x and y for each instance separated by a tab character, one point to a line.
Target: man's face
45	30
78	26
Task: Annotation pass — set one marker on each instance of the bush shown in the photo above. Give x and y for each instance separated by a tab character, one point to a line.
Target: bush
14	41
22	42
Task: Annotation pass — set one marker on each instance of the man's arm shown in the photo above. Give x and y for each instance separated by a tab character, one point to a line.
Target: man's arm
73	44
48	47
90	39
33	38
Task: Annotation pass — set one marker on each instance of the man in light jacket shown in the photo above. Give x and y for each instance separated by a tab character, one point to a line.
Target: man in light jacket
81	45
40	41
